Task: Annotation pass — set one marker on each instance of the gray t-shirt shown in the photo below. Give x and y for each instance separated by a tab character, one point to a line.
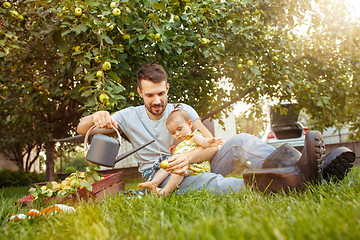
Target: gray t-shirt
140	129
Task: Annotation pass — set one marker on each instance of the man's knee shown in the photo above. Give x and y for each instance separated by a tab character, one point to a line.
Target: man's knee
239	139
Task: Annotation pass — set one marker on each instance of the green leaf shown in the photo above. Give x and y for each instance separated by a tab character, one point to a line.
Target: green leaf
180	39
80	28
2	42
93	4
86	184
108	40
141	36
159	5
188	44
114	76
65	33
206	53
159	30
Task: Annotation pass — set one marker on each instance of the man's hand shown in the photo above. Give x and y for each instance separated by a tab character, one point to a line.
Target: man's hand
103	119
178	164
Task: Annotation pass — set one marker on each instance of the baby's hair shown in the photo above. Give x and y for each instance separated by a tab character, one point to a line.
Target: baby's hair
178	112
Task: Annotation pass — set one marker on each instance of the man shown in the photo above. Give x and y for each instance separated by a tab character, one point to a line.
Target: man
268	168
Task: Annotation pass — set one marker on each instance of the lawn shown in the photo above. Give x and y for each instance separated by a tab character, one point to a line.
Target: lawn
328	211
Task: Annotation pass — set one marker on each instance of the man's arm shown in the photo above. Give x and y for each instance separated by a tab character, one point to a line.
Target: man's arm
101	119
197	124
178	164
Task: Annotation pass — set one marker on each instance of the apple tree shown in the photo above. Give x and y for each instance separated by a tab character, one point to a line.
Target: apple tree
63	59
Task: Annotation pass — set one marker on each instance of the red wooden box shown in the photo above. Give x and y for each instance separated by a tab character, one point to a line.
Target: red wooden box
111	184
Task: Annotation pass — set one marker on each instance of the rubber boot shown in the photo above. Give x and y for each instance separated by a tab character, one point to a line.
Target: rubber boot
308	168
284	156
338	163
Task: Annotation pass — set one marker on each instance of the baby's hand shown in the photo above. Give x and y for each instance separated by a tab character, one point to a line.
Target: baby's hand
172	149
214	142
219	141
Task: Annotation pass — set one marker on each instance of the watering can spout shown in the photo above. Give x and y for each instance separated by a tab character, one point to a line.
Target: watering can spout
124	155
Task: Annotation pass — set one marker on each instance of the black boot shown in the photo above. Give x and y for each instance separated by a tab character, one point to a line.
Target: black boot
284	156
290	173
338	163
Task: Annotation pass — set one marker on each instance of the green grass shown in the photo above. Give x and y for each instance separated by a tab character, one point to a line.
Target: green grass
328	211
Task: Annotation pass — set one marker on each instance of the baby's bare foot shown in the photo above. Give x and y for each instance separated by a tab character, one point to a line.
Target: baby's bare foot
149	185
162	193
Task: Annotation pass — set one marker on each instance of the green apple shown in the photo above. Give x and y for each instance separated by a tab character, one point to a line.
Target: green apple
194	21
176	18
126	37
109	27
131	95
275	58
247	12
116	12
187	8
106	66
103	97
157	37
14	13
113	4
99	74
239	66
164	164
205	41
250	63
97	59
78	11
20	18
289	37
7	5
151	35
229	22
241	60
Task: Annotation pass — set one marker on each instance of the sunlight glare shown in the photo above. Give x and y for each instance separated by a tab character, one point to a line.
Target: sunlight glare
354	7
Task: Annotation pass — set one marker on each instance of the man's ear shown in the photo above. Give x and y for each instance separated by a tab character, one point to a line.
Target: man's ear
139	92
167	86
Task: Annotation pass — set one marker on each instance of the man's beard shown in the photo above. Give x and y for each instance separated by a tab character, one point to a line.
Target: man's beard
159	113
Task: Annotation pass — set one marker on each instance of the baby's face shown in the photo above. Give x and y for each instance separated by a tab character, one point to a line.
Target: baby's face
179	128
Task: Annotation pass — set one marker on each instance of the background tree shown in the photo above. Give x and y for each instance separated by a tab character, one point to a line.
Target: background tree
62	59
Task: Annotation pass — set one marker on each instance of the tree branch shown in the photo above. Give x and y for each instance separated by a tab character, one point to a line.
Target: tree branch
227	104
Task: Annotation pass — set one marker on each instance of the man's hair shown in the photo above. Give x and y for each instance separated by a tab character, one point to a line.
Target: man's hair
178	113
152	72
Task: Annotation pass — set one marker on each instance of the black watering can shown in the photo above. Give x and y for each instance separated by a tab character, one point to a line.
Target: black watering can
104	149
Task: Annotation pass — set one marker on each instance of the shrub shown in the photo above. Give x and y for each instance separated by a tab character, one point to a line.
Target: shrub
10	178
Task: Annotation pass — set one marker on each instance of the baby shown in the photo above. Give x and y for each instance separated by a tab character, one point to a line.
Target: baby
179	125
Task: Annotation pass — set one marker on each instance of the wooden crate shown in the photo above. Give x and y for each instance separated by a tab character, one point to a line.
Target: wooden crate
110	185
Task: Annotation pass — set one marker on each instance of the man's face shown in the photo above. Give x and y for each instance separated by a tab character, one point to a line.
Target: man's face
155	98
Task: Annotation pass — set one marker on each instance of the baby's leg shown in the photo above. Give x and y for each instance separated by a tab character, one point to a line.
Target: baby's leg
159	177
171	185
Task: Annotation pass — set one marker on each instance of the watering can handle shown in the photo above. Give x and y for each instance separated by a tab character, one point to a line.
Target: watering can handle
88	133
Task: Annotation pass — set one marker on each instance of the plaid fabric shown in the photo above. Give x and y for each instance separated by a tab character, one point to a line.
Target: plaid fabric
149	173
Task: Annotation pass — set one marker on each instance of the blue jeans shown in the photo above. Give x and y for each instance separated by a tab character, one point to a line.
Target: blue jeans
241	150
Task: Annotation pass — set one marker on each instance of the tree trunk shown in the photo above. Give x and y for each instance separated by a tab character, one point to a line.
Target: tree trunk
50	156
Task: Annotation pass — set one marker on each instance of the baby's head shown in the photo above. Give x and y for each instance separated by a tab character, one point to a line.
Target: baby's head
179	124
